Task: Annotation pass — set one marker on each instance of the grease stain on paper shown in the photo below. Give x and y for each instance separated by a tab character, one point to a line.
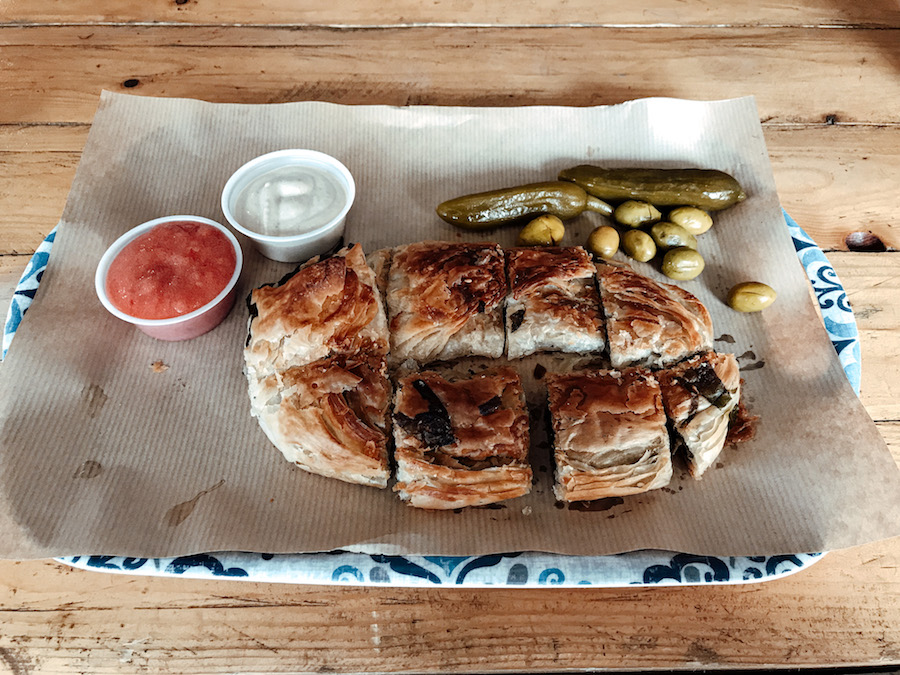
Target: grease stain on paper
88	469
179	513
604	504
95	398
750	355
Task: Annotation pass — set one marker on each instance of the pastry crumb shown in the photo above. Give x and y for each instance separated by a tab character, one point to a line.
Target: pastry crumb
158	367
526	510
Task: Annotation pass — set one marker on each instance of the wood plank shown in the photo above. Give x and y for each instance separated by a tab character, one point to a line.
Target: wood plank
57	619
872	282
838	182
604	12
834	180
33	190
64	68
52	137
890	431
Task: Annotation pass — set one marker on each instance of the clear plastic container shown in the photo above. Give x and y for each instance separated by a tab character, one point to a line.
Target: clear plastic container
292	204
186	326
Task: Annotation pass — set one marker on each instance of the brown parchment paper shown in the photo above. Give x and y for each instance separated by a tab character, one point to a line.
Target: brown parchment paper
102	454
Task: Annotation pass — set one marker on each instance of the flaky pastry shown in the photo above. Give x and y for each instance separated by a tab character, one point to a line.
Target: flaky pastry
461	442
609	434
648	323
699	396
445	301
327	307
553	303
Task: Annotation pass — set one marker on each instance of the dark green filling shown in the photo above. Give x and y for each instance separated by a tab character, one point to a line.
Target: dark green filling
516	319
704	381
432	427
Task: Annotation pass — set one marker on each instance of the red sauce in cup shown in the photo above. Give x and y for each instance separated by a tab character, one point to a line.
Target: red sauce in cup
170	270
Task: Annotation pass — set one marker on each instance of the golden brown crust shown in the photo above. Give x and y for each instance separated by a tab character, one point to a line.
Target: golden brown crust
316	370
699	395
649	323
328	307
330	417
533	267
553	304
681	399
444	301
462	442
609	433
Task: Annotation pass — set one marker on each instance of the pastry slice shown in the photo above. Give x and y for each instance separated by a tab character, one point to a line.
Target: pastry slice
553	303
648	323
445	301
461	442
699	396
610	436
329	417
329	306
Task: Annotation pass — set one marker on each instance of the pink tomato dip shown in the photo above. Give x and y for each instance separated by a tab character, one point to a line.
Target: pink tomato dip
170	270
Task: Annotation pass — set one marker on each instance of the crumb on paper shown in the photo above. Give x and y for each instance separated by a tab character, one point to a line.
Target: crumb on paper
158	367
526	510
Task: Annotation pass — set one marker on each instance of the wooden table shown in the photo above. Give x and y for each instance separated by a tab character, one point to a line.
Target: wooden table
827	80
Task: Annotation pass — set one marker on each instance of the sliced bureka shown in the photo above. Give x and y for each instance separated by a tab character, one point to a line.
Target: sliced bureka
553	303
444	301
329	306
648	323
609	434
329	417
699	396
461	442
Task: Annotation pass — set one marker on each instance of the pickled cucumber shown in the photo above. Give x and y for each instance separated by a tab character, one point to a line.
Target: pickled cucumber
704	188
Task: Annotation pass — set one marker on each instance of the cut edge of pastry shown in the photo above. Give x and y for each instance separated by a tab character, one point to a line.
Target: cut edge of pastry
689	329
557	308
699	408
577	477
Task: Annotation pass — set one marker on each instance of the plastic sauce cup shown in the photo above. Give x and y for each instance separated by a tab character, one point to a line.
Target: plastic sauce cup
185	326
308	240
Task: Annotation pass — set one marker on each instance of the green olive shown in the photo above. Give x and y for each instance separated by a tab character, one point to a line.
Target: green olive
639	245
544	230
751	296
682	263
669	235
635	214
604	242
694	220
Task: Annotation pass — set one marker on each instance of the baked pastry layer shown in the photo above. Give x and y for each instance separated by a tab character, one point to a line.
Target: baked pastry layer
327	307
316	368
329	417
461	442
648	323
445	301
699	396
609	431
553	304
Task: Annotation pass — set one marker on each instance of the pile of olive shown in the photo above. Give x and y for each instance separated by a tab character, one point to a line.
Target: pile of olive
648	235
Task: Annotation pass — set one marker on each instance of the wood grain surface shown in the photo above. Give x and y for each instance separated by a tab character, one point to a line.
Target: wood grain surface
826	76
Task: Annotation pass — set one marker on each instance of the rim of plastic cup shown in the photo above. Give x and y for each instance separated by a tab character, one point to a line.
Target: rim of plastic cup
116	248
304	157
